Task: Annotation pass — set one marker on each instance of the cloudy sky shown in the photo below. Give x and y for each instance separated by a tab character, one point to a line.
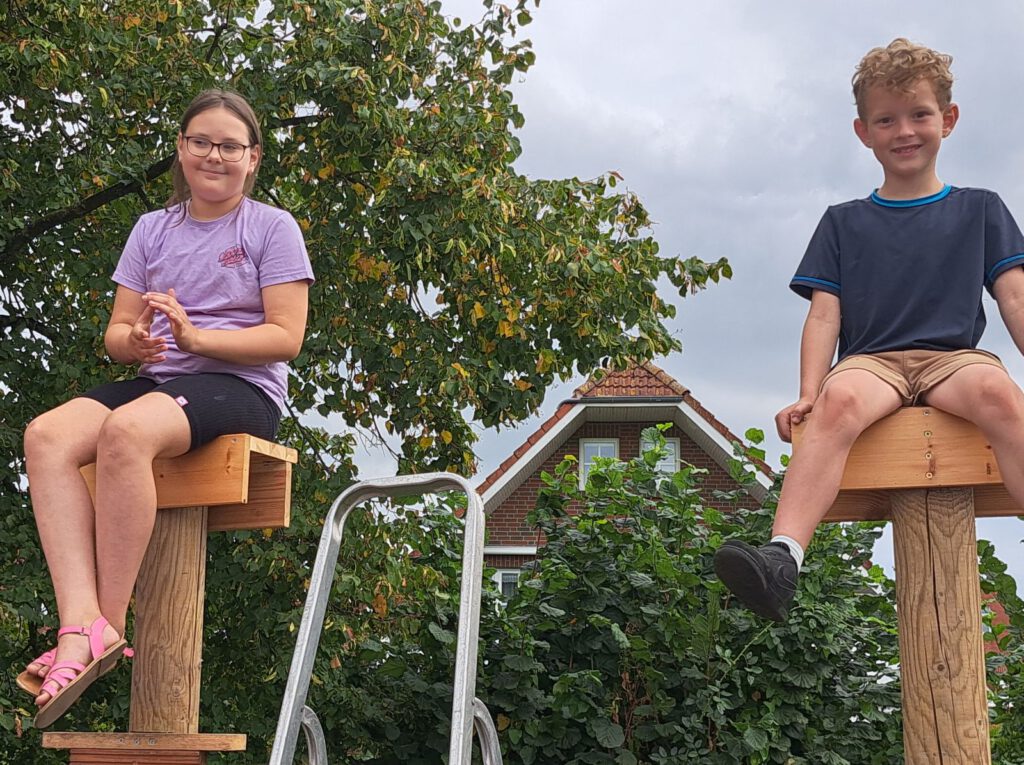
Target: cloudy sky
732	122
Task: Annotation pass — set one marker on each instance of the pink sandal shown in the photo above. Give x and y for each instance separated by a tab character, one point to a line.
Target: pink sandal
67	680
31	682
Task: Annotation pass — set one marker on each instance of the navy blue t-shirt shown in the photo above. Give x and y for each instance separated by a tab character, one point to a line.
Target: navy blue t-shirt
909	274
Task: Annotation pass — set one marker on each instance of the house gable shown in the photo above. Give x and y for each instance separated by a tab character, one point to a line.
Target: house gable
615	405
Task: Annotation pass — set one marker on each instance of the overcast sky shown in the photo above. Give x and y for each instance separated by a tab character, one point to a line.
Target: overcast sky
732	122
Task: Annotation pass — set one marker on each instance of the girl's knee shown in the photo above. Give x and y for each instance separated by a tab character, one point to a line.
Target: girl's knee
122	436
49	434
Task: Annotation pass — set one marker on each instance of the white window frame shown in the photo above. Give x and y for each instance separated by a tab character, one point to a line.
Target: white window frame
500	574
664	467
584	442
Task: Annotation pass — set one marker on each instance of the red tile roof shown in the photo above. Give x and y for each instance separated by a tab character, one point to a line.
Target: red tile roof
635	381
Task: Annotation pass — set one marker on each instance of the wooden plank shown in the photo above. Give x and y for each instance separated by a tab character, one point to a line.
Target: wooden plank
138	742
169	598
918	447
272	450
244	480
215	474
163	757
860	505
942	663
270	499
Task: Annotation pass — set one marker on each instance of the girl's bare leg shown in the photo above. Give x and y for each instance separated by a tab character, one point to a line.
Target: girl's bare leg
128	440
132	437
57	444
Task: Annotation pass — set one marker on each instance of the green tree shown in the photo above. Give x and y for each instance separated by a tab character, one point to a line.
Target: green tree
450	287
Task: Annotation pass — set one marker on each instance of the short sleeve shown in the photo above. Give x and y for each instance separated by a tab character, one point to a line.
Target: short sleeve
284	256
1004	243
819	269
131	268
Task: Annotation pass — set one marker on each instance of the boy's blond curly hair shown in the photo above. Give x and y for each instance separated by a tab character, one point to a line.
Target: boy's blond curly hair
899	66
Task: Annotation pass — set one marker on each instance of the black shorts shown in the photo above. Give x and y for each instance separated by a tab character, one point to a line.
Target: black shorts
215	404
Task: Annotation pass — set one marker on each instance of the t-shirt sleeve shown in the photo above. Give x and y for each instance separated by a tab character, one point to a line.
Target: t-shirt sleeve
1004	243
819	269
284	254
131	268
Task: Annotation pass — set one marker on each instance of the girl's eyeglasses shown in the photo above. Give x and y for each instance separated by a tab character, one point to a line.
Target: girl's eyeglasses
229	150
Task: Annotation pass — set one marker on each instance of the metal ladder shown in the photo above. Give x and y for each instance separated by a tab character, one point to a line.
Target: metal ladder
468	712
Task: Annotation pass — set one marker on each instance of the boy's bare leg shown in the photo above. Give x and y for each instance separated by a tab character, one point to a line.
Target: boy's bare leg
985	395
848	404
57	444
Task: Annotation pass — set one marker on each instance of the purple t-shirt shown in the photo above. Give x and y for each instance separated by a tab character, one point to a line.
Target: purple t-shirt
217	269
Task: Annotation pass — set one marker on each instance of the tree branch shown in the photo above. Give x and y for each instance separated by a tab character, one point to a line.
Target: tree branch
86	206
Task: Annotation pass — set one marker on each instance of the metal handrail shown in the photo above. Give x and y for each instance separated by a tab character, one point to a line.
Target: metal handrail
486	734
465	708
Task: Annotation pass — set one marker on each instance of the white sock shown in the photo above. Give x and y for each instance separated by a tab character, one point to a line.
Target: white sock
794	548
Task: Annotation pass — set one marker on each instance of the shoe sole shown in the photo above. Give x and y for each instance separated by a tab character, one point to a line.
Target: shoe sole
738	570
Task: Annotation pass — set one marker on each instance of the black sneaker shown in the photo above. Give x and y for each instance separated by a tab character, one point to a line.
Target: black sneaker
764	578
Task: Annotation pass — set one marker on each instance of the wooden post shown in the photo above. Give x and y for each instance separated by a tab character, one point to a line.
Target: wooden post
169	596
932	474
234	482
942	655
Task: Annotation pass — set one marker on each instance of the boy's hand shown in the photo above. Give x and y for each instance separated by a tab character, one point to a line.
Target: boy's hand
792	415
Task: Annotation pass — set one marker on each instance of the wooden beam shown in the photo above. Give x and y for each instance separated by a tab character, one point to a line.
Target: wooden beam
938	603
141	742
169	597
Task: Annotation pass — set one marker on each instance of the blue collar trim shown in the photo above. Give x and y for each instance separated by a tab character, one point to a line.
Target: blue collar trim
910	202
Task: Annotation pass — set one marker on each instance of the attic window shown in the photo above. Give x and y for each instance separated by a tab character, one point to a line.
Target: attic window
669	464
591	449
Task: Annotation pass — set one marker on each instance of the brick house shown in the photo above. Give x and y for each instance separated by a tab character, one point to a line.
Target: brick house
604	418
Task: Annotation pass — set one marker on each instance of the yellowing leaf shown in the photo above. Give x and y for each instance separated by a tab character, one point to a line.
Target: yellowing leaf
446	436
523	384
505	328
503	722
460	369
326	171
478	311
380	604
544	361
425	442
335	662
132	21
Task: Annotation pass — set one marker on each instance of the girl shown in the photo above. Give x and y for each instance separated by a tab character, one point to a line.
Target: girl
211	302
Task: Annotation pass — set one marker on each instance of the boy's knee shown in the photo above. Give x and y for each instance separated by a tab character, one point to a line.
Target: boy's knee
997	396
841	409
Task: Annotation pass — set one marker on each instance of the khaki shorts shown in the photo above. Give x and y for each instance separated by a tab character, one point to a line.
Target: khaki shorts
913	373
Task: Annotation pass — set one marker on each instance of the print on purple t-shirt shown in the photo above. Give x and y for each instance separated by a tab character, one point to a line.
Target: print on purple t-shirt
217	269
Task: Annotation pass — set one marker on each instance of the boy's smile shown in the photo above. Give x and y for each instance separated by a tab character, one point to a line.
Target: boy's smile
905	130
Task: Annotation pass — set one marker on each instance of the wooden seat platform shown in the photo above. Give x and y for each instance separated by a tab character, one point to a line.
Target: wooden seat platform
234	482
917	448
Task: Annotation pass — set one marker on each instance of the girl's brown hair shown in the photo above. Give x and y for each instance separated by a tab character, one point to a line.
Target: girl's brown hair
216	98
899	66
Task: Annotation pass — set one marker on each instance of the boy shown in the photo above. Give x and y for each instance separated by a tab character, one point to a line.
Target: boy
897	280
